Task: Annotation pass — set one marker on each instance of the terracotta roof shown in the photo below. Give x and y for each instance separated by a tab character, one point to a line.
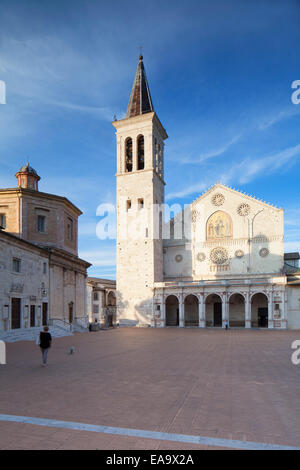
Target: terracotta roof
140	99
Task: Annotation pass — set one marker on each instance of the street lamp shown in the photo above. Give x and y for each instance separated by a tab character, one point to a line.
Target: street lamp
250	236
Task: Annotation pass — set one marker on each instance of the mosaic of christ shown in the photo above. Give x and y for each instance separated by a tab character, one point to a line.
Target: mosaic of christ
219	225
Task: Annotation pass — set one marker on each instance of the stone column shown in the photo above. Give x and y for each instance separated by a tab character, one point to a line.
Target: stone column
270	311
201	310
162	311
247	311
181	311
224	310
134	154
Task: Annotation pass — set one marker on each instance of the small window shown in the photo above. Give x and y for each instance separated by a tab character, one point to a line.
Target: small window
45	268
96	309
95	295
128	155
16	265
41	223
3	221
141	203
22	182
128	204
70	229
140	154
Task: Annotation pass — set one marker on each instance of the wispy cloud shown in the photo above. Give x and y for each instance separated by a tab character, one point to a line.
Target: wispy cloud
242	172
269	121
210	154
100	257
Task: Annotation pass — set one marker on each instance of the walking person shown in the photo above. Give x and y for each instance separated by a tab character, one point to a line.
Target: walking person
45	344
226	324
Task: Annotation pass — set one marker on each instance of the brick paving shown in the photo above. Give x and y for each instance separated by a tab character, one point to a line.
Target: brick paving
236	384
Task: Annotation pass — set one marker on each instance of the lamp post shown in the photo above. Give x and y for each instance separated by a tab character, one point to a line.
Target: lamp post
250	236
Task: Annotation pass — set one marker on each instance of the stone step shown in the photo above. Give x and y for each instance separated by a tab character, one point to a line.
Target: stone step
30	334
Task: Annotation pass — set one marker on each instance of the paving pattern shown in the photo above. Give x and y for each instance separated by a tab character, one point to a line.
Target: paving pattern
233	385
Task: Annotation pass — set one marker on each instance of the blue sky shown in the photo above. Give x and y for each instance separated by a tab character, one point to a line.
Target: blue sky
220	75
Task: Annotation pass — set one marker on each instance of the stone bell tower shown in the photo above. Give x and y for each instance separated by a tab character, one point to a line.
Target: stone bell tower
140	192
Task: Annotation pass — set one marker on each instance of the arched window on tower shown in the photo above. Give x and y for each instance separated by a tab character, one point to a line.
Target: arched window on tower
140	153
128	155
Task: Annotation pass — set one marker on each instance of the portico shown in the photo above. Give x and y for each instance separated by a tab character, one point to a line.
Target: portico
252	303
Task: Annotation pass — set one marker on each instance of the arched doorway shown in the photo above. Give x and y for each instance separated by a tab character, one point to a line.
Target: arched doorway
191	311
111	309
259	311
213	310
172	311
237	310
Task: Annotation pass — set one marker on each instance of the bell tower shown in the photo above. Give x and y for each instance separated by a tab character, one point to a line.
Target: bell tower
140	194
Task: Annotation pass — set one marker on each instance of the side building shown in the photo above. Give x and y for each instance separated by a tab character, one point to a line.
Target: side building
41	276
101	301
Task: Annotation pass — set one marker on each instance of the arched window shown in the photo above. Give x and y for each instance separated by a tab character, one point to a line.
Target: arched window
140	153
128	155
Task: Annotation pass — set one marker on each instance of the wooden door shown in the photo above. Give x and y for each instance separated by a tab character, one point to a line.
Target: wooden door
32	315
71	312
15	313
45	314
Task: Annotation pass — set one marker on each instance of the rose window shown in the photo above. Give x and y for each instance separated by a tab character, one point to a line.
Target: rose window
243	209
218	199
219	255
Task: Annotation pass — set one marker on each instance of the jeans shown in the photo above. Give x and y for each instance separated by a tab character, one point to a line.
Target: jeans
44	354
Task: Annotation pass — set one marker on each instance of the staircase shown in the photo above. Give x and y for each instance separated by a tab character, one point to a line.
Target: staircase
31	334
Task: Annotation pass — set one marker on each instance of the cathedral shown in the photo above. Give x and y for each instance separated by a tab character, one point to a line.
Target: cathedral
220	261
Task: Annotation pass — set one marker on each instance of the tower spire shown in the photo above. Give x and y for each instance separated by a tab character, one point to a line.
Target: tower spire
140	99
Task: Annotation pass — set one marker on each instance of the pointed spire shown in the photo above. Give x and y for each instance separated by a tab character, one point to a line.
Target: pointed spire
140	99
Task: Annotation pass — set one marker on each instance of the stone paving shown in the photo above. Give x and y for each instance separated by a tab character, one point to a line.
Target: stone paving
236	384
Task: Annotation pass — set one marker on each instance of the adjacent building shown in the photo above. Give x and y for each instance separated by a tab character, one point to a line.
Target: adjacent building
41	275
101	301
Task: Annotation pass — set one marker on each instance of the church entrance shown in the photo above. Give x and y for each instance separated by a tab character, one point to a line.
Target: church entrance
217	314
259	311
15	313
237	311
191	311
172	311
262	318
213	310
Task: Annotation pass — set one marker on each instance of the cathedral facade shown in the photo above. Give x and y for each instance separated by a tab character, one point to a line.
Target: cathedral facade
219	261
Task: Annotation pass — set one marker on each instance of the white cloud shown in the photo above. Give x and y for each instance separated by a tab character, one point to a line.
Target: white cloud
213	153
242	172
99	258
267	122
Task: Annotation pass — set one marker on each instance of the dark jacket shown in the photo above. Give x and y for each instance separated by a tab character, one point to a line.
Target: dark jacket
45	340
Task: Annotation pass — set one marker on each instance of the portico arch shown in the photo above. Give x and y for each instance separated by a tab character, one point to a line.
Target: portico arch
237	310
213	310
172	311
191	310
259	310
